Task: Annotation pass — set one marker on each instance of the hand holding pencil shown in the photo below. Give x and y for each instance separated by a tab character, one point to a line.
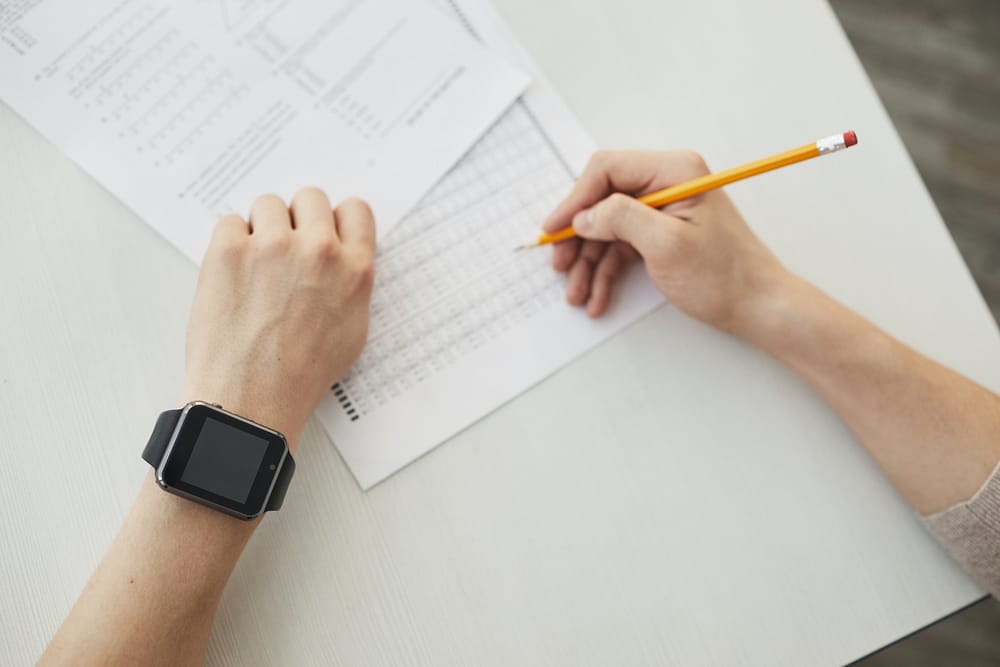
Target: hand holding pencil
698	250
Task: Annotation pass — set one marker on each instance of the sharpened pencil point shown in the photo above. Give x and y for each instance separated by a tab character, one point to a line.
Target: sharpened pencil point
525	247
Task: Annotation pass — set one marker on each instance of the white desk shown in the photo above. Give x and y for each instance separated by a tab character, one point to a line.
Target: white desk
700	507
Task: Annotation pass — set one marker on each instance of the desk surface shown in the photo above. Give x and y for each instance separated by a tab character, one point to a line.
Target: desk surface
702	506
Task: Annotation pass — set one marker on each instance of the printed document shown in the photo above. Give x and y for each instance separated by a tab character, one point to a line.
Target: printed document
188	109
461	324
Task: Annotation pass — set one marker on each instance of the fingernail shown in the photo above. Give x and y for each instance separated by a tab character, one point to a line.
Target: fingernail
583	221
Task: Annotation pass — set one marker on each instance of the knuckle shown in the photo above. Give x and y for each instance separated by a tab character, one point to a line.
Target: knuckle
592	251
276	245
324	249
617	205
307	193
600	156
320	258
607	270
356	205
269	199
366	277
227	248
600	160
224	243
364	271
694	160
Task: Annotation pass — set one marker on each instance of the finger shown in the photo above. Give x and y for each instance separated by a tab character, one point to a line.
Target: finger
229	238
622	218
311	211
230	229
564	254
580	274
632	172
356	224
269	216
605	274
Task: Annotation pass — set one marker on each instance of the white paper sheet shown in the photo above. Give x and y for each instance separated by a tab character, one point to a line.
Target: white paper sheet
188	109
460	323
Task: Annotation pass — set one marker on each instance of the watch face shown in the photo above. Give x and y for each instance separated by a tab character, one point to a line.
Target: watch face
224	460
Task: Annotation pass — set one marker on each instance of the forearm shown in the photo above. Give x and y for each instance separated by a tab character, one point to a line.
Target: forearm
153	597
932	431
281	312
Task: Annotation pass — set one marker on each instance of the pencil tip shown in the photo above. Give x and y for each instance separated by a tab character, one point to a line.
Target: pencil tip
524	247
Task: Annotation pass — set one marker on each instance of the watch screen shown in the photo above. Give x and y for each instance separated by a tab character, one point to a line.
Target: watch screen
225	459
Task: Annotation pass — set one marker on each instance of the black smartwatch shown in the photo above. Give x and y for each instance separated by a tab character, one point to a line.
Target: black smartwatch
214	457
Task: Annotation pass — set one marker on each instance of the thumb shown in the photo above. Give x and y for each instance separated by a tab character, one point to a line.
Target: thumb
623	218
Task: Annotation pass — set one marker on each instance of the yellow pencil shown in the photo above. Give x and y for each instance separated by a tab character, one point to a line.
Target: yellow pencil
695	187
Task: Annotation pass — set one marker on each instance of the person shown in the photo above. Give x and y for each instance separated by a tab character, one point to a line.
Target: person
281	312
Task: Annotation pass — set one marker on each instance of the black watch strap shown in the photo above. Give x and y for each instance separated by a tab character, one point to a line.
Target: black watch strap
166	423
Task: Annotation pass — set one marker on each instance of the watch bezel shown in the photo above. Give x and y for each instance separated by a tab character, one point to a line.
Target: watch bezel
181	445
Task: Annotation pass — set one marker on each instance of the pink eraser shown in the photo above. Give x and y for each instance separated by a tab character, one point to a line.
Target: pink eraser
850	138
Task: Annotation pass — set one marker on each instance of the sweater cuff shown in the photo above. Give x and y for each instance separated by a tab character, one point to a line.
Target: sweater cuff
970	531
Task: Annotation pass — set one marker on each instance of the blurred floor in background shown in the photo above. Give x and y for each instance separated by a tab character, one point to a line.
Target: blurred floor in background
936	65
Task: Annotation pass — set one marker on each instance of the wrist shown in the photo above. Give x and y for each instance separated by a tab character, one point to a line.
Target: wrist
188	537
769	310
190	518
275	415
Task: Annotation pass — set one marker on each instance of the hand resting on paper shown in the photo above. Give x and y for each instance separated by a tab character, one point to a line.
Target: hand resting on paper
281	309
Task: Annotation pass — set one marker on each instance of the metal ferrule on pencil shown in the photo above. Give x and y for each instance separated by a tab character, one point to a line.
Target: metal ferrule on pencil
831	144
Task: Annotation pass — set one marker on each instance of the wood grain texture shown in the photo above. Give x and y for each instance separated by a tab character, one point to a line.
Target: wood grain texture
935	64
702	506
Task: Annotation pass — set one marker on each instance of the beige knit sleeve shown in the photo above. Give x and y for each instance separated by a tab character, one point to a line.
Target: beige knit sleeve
970	531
